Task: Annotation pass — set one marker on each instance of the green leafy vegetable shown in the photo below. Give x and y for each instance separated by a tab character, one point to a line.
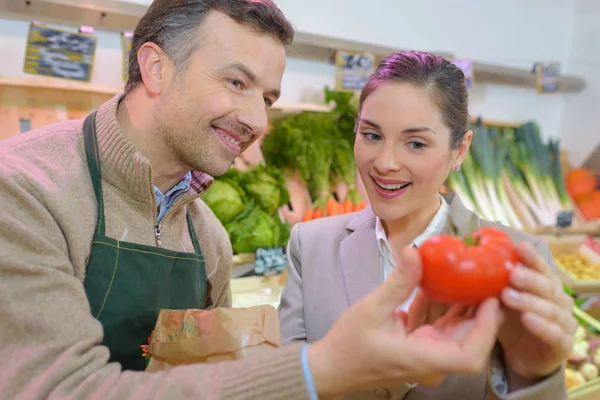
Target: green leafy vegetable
257	230
225	199
266	185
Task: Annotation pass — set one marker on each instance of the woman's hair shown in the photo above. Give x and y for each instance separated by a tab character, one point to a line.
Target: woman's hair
444	81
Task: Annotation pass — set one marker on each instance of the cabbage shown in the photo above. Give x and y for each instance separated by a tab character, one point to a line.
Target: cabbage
266	186
257	230
225	199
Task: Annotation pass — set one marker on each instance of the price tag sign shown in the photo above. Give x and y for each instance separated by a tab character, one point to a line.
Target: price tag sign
548	77
270	261
564	219
126	38
466	65
353	70
61	54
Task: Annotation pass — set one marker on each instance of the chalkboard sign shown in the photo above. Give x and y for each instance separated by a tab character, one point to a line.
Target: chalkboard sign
126	39
270	261
548	77
353	70
564	219
56	53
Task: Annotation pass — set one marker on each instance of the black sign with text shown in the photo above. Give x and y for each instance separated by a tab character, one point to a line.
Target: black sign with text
564	219
56	53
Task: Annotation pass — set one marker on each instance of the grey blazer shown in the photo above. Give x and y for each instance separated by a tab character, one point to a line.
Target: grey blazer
333	262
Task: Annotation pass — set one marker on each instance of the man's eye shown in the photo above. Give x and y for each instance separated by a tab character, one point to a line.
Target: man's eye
236	83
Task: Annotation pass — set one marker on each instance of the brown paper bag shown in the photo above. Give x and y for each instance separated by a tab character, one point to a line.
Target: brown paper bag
222	334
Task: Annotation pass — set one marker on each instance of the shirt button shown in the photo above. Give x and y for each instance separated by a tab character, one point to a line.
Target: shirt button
383	393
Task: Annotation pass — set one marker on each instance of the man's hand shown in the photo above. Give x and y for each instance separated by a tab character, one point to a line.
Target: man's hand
370	346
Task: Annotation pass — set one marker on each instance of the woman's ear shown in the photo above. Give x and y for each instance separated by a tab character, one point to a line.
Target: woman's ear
463	150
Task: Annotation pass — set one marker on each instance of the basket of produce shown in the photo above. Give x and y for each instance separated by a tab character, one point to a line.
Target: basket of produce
578	263
582	375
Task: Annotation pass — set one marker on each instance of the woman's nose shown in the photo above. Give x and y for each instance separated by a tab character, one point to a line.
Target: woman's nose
387	161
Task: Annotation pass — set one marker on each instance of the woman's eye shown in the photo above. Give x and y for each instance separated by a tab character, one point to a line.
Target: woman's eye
268	102
417	145
236	83
374	137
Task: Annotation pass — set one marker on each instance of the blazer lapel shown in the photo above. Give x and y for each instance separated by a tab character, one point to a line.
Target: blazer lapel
461	220
359	256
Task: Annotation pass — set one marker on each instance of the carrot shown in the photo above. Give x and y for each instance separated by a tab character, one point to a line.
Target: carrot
318	213
331	207
348	207
308	215
360	206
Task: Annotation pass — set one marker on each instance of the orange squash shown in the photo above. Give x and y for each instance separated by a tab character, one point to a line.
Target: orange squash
580	183
590	209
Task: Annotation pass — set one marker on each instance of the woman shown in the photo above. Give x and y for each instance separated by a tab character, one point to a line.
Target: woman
411	131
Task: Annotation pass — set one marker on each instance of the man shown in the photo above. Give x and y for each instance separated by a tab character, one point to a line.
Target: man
102	225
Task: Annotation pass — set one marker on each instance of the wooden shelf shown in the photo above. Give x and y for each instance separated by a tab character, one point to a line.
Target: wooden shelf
118	15
54	91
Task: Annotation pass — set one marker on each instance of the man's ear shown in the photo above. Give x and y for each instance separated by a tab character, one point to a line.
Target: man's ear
153	63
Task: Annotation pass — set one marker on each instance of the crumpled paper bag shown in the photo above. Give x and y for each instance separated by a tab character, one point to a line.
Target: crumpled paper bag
222	334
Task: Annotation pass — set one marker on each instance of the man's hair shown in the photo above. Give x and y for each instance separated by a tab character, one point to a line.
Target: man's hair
173	25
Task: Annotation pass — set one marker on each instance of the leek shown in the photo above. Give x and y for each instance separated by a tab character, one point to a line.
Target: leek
557	176
484	153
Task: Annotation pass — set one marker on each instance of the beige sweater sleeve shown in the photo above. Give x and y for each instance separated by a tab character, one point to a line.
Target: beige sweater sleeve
50	343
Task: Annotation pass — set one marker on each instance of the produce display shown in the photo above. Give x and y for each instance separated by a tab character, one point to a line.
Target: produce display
246	203
512	177
581	185
319	146
584	360
579	266
467	270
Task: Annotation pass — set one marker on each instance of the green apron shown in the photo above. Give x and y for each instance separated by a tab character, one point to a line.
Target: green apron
127	284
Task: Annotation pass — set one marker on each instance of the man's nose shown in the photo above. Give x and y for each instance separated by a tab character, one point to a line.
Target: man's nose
254	116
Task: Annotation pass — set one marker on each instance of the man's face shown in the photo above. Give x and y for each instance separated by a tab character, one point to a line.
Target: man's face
217	107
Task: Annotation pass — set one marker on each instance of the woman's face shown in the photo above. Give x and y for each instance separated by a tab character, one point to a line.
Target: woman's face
402	150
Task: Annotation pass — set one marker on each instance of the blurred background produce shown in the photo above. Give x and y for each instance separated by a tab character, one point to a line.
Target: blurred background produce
246	202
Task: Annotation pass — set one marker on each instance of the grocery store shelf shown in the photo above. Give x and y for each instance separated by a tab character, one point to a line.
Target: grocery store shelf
55	91
57	84
524	78
119	15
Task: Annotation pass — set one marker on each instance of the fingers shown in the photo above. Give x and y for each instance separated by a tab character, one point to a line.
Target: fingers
488	319
549	332
549	311
399	285
417	314
534	282
402	316
472	351
532	259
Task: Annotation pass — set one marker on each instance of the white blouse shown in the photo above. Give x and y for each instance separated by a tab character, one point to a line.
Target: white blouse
386	257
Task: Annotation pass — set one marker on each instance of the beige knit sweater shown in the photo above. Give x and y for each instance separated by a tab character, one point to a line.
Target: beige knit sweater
49	341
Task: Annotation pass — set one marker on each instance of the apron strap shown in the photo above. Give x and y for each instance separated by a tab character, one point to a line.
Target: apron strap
93	161
195	242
